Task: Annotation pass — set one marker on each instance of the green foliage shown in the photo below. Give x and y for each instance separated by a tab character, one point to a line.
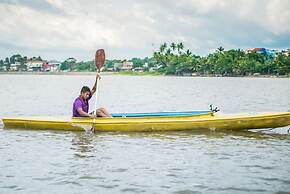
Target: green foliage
64	66
7	60
131	73
137	62
174	59
108	64
85	66
69	64
17	58
282	64
14	58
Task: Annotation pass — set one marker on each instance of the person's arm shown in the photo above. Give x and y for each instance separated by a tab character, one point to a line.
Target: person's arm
84	114
94	88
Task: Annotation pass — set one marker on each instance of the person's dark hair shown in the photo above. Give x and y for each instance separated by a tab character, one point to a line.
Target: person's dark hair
85	89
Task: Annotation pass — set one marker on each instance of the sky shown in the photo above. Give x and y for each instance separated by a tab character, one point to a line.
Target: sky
59	29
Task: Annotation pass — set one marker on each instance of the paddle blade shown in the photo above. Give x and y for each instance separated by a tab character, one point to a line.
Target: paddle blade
100	58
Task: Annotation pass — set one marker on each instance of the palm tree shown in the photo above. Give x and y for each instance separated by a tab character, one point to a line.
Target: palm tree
163	47
168	52
220	49
180	46
188	53
173	46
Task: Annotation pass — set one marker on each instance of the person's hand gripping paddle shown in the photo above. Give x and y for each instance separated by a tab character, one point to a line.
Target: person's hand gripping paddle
99	61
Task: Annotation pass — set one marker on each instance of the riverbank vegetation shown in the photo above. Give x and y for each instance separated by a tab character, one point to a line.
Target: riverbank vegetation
175	59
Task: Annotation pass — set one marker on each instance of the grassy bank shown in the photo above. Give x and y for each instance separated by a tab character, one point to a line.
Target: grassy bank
131	73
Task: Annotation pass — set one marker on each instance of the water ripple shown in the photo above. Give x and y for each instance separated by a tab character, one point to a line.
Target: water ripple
165	162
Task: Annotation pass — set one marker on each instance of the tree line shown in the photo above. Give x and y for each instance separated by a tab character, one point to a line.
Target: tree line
175	59
22	60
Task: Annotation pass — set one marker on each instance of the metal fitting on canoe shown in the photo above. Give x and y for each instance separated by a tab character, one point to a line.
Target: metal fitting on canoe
213	109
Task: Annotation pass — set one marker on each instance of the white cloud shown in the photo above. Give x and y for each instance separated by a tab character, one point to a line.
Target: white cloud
129	28
34	29
278	16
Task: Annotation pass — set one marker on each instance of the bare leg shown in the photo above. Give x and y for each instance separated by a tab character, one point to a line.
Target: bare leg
101	112
106	112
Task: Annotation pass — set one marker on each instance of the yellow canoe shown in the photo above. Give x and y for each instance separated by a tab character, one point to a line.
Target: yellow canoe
206	120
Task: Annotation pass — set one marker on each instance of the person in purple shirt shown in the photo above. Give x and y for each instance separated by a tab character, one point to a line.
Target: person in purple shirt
81	103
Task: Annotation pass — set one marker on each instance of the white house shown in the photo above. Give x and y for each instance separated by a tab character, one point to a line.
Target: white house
127	66
54	65
34	65
15	66
138	69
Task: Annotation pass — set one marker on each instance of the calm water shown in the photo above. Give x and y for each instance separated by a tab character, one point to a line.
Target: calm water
176	162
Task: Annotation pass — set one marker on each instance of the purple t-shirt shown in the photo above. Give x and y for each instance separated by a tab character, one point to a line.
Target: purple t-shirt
80	103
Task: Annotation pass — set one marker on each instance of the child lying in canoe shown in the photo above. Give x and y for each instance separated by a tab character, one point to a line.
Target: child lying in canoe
81	103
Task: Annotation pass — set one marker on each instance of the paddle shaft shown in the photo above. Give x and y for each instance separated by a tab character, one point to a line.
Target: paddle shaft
96	96
99	60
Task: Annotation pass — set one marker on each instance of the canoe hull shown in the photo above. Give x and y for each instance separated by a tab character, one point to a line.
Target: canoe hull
172	123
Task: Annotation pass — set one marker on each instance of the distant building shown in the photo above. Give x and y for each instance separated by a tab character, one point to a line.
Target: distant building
138	69
152	69
269	53
54	62
3	68
155	68
127	66
286	52
52	66
34	65
15	66
110	69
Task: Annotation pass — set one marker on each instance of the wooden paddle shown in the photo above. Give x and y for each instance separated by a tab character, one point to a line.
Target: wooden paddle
99	61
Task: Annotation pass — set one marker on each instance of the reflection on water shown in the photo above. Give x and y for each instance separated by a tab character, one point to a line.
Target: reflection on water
150	162
202	161
82	145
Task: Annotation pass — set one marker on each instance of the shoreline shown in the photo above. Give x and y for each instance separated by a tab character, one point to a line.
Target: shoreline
51	73
132	74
